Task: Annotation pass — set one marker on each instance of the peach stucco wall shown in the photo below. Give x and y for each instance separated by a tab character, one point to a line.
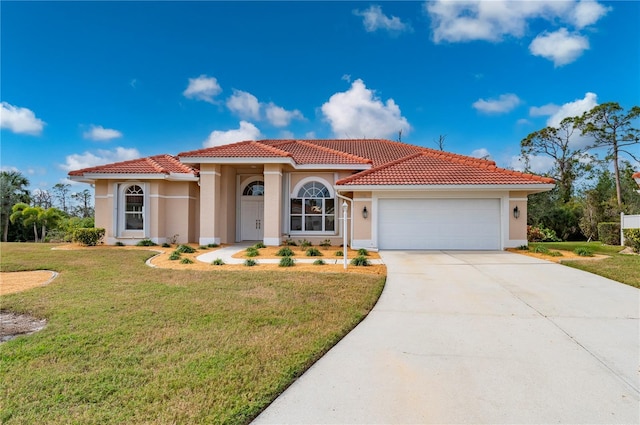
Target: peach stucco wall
362	226
518	226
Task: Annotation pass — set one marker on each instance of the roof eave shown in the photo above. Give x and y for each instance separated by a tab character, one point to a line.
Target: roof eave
235	160
531	188
135	176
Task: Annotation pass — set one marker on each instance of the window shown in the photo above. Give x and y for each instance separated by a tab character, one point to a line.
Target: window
254	189
134	206
313	210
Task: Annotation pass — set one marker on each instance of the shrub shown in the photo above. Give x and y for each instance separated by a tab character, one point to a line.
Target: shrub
523	248
326	244
286	262
212	245
175	255
363	251
541	234
249	262
609	233
284	252
290	242
118	243
252	252
166	245
259	245
313	252
555	254
339	253
185	249
202	247
88	236
304	244
583	252
217	262
360	260
319	262
186	261
632	239
541	249
146	242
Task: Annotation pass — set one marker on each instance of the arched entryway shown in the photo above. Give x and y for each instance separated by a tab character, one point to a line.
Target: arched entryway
252	211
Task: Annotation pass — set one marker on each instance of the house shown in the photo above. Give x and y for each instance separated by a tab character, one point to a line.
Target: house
636	176
397	196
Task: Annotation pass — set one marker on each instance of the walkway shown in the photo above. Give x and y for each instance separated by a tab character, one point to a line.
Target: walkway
482	337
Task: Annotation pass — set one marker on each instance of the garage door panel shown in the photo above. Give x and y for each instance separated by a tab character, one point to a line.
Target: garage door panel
439	223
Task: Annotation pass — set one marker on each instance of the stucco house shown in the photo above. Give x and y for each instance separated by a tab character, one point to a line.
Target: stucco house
398	196
636	176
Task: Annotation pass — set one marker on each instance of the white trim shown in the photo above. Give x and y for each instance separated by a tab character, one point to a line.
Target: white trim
364	243
207	241
271	241
362	199
103	196
172	196
140	176
451	188
274	173
296	189
210	173
238	160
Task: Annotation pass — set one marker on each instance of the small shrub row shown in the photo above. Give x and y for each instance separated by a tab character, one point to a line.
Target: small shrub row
88	236
583	252
284	252
286	262
252	252
185	249
250	262
313	252
632	239
217	262
360	260
146	242
541	234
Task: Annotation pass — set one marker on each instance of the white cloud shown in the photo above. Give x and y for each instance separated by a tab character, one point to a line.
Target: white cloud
523	121
481	153
537	164
544	110
202	88
244	104
573	109
280	117
357	112
246	131
373	19
310	135
460	21
100	157
20	120
560	47
286	134
588	12
99	133
503	104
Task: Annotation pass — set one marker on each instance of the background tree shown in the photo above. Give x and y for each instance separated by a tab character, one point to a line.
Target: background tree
611	128
28	216
84	209
42	198
61	192
440	142
555	143
13	188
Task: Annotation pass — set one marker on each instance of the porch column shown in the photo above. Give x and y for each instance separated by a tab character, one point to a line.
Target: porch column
272	204
210	204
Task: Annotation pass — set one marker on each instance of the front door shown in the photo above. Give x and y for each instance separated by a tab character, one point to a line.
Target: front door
251	211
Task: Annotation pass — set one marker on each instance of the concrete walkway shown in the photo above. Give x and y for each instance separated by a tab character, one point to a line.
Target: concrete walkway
479	337
226	255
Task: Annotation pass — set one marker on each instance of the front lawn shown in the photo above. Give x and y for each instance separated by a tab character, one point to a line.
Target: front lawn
620	267
126	343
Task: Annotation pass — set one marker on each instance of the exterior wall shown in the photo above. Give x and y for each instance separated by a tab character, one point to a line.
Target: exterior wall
104	206
362	226
228	204
517	226
272	204
173	211
210	203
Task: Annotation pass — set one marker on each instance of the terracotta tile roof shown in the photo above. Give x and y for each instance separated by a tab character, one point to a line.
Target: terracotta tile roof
158	164
438	168
247	149
304	152
636	175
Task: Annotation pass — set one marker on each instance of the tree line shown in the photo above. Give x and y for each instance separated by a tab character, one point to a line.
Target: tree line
41	215
593	160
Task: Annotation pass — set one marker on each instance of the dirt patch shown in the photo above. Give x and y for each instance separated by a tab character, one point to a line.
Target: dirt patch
566	255
12	325
13	282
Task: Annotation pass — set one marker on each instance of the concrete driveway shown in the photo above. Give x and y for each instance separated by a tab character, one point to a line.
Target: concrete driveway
479	337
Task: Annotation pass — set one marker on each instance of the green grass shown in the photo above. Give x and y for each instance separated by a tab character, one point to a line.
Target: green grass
620	267
126	343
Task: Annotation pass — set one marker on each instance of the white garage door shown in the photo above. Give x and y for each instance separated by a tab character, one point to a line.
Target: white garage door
439	224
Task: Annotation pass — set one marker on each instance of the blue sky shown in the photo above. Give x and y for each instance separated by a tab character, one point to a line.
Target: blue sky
86	83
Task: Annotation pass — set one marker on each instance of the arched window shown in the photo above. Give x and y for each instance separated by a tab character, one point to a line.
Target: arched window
255	188
134	208
313	209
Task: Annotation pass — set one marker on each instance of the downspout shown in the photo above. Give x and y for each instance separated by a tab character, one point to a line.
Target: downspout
344	198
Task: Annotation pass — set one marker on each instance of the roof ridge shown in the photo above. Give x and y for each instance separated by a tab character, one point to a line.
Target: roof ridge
458	157
270	148
159	168
379	168
335	151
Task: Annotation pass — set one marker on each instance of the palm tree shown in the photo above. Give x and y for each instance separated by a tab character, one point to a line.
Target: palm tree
13	188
